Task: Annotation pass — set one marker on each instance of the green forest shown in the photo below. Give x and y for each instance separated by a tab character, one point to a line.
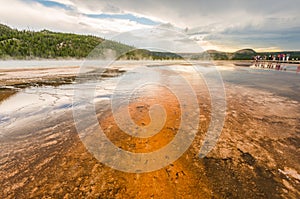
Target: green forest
45	44
50	45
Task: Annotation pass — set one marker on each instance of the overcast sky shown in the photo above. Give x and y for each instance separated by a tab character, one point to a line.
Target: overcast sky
225	25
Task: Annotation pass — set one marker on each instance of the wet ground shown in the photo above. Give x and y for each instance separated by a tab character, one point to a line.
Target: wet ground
257	154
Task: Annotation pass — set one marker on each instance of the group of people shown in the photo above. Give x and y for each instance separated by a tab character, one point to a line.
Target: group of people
279	57
277	62
276	66
269	65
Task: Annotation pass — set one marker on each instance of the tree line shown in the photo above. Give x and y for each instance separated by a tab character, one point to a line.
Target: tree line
46	44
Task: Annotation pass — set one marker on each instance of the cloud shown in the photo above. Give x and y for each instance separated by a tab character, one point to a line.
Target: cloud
130	17
227	24
36	15
160	38
231	23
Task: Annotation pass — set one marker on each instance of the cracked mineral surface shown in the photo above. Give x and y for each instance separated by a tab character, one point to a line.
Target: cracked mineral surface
256	156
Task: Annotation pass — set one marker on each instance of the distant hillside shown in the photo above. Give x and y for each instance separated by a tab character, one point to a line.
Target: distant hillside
207	55
140	54
46	44
246	51
244	54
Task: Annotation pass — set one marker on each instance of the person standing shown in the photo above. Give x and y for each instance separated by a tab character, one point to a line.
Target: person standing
287	57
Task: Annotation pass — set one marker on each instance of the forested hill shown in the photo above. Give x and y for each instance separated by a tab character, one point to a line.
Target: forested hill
51	45
45	44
